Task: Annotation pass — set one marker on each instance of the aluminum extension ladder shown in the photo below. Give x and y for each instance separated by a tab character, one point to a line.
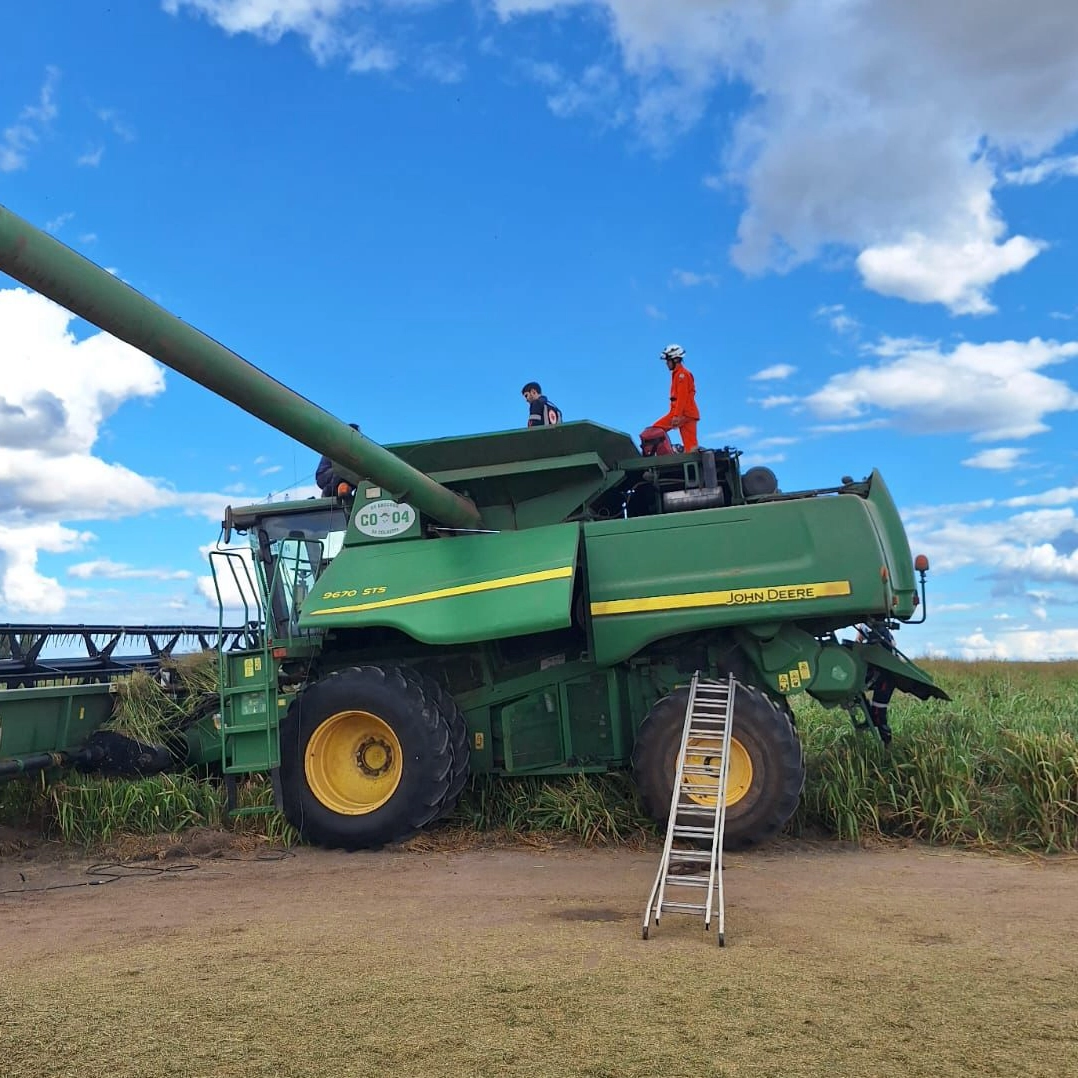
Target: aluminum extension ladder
702	768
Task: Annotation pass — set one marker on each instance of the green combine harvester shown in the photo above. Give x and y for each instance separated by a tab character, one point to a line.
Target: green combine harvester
527	602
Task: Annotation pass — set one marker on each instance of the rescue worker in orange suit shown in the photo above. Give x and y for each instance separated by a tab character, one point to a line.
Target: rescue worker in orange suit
683	415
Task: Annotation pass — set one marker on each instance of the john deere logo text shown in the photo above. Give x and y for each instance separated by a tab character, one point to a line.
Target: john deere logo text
776	593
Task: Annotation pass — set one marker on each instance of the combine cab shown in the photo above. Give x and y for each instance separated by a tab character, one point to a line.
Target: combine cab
524	602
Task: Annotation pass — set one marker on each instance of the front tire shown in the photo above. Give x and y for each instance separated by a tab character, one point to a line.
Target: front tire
767	767
367	757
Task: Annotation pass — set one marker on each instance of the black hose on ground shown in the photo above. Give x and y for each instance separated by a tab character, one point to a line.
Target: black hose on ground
40	761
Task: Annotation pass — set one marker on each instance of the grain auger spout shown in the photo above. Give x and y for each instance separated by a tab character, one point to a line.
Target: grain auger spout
44	264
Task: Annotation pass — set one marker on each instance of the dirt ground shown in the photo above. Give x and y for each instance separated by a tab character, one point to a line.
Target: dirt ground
891	961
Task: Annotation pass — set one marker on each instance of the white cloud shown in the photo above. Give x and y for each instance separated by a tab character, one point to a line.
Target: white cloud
116	124
653	312
776	401
107	569
992	390
1055	496
1001	460
237	593
839	320
690	279
752	460
1049	168
32	122
57	390
22	587
1040	544
932	514
58	222
1031	645
954	267
327	26
56	394
91	158
734	433
774	373
846	428
441	66
594	93
874	125
769	443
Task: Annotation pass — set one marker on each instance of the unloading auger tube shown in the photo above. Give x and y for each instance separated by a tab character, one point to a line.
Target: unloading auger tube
84	288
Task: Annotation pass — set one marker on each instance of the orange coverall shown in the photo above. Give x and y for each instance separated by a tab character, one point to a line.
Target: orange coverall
682	407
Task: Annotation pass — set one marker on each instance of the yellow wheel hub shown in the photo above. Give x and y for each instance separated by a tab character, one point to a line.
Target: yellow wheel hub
353	763
706	752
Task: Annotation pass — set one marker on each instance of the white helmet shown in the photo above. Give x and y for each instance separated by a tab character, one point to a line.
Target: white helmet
673	351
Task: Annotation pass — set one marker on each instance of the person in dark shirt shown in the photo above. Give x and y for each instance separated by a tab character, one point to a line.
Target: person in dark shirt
541	412
328	476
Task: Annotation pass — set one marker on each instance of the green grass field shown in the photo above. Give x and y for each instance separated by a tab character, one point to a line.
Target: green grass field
996	767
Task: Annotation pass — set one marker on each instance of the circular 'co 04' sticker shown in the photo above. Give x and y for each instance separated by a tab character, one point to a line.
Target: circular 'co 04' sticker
385	518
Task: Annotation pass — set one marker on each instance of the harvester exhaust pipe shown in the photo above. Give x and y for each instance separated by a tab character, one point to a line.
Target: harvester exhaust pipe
84	288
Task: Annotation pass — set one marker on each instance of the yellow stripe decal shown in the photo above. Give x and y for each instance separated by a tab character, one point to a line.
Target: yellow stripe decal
778	593
449	593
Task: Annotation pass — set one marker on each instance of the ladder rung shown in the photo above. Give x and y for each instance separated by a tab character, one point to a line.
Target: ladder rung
682	830
708	788
711	771
688	881
684	907
690	856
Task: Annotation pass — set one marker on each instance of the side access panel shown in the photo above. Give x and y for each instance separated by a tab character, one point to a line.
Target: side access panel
652	577
576	723
452	590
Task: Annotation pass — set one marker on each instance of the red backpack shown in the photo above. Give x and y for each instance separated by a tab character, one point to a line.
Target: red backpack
655	443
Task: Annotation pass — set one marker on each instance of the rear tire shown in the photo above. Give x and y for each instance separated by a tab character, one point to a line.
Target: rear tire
458	737
767	768
367	757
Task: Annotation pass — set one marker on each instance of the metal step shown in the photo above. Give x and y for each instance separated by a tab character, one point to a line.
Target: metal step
688	881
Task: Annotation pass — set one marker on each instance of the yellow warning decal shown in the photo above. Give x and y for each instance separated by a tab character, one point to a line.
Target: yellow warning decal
451	593
777	593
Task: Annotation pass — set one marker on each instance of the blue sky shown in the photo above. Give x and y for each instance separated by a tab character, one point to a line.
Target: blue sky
856	216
